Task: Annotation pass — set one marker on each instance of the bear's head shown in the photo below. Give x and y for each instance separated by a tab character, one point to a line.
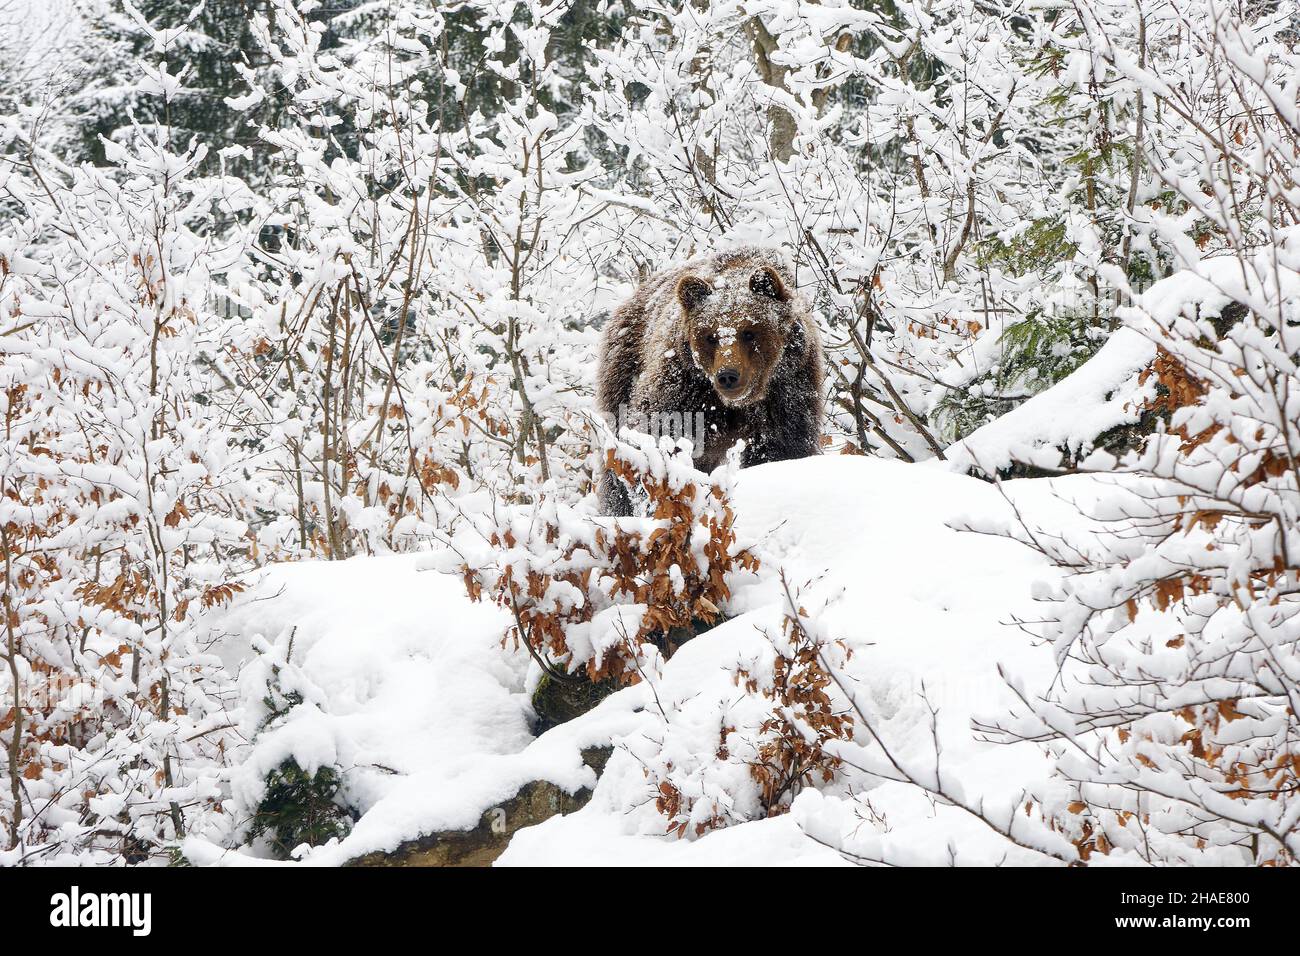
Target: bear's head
737	328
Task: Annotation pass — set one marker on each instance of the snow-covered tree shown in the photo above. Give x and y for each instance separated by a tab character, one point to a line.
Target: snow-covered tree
1174	718
122	495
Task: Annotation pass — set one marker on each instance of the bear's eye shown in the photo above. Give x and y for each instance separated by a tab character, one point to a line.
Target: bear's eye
748	337
711	338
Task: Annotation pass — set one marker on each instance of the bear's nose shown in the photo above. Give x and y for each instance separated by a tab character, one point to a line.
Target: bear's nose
728	378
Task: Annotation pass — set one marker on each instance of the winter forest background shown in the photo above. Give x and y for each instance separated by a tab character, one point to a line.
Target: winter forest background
299	310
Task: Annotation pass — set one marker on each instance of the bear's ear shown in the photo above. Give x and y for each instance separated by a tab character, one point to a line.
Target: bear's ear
691	291
766	282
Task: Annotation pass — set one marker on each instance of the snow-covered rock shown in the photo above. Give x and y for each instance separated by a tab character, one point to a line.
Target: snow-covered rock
925	608
1108	391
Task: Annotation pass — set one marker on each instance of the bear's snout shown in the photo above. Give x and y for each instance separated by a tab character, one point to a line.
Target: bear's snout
728	379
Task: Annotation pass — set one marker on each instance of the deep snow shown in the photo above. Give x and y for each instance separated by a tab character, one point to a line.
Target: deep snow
409	689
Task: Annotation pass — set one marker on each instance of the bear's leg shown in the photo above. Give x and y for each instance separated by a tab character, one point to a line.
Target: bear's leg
614	500
788	432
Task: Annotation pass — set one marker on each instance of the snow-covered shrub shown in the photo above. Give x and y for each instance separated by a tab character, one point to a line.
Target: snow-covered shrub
1175	719
293	806
771	743
121	500
289	788
299	808
598	595
1035	353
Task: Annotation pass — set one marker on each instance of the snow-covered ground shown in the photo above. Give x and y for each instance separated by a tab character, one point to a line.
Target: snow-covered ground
406	685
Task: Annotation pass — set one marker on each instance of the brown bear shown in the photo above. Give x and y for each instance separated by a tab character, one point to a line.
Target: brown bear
721	348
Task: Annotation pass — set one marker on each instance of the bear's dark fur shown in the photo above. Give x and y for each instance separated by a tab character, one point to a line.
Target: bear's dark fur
724	340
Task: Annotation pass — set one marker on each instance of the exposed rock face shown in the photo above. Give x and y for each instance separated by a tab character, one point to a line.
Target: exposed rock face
557	702
535	802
